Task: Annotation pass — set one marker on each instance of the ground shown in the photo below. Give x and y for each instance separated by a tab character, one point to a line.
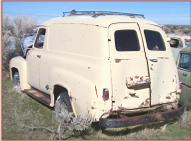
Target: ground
25	118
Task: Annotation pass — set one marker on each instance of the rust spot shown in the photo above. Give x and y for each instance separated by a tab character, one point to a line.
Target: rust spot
92	107
117	60
141	105
145	104
96	91
141	78
136	77
125	97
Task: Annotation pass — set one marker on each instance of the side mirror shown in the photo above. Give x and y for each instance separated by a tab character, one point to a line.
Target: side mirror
174	43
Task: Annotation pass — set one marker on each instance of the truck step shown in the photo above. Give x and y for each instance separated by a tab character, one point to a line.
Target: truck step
39	96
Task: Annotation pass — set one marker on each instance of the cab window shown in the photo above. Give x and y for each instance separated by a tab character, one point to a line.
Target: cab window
154	40
126	40
185	61
39	43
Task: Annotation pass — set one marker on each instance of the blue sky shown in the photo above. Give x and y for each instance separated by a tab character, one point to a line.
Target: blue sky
160	12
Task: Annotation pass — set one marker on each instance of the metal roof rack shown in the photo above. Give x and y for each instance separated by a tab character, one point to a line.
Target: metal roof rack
99	13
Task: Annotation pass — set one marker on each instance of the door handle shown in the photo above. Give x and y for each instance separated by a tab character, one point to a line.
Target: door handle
184	74
153	60
39	56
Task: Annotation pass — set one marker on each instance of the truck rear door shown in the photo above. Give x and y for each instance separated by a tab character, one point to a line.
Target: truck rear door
129	69
162	68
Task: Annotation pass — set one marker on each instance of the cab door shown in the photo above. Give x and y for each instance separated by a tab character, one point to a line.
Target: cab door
162	68
34	59
130	79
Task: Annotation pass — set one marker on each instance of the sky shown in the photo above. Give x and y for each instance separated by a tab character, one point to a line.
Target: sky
161	12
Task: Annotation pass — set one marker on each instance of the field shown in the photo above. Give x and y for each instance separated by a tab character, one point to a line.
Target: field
24	118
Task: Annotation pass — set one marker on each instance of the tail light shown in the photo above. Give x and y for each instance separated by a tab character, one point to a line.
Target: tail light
105	95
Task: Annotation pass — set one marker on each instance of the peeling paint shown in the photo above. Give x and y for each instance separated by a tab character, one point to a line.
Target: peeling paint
146	103
138	82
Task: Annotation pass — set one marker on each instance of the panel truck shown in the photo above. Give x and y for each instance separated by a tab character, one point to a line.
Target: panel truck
116	67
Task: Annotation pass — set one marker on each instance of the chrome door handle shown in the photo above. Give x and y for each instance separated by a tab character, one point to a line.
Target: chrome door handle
153	60
39	56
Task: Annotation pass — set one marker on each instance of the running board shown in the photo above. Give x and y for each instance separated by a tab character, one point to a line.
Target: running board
39	96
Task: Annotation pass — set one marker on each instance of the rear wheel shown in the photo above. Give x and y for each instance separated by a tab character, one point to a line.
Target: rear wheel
16	81
68	123
63	108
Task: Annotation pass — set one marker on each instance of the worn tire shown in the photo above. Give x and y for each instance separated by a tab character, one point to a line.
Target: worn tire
16	82
63	108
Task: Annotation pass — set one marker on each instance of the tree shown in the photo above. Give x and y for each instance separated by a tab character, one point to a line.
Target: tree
14	28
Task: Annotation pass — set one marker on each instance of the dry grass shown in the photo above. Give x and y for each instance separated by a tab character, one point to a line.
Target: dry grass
24	118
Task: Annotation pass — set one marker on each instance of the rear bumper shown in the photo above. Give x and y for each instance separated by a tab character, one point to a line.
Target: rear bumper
141	119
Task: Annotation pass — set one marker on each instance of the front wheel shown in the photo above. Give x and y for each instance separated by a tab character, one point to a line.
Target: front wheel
16	82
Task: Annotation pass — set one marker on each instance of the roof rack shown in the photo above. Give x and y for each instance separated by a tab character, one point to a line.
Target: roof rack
99	13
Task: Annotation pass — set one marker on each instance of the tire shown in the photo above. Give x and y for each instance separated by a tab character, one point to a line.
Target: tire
63	108
16	82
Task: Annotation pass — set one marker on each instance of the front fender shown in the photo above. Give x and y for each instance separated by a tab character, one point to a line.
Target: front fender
21	65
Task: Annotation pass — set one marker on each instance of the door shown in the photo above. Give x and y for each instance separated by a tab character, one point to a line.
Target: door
184	68
162	68
34	59
184	71
130	79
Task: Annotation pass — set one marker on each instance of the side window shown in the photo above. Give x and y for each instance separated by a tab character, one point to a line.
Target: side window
185	61
40	38
154	40
126	40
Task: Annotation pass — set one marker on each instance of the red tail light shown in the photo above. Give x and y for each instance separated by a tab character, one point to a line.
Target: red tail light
105	95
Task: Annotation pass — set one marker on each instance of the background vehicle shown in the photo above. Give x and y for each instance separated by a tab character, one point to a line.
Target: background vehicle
184	71
108	65
177	42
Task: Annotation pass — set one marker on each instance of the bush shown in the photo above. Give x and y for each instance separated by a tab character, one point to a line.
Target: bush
13	31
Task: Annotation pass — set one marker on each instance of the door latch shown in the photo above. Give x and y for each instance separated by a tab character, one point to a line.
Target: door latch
153	60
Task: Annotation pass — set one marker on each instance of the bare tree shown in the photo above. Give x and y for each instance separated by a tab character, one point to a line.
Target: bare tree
13	31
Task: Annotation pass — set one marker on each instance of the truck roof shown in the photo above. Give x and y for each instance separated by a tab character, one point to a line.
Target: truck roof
104	20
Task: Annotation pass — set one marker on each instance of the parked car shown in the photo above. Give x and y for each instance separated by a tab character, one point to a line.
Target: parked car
177	42
184	70
116	67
